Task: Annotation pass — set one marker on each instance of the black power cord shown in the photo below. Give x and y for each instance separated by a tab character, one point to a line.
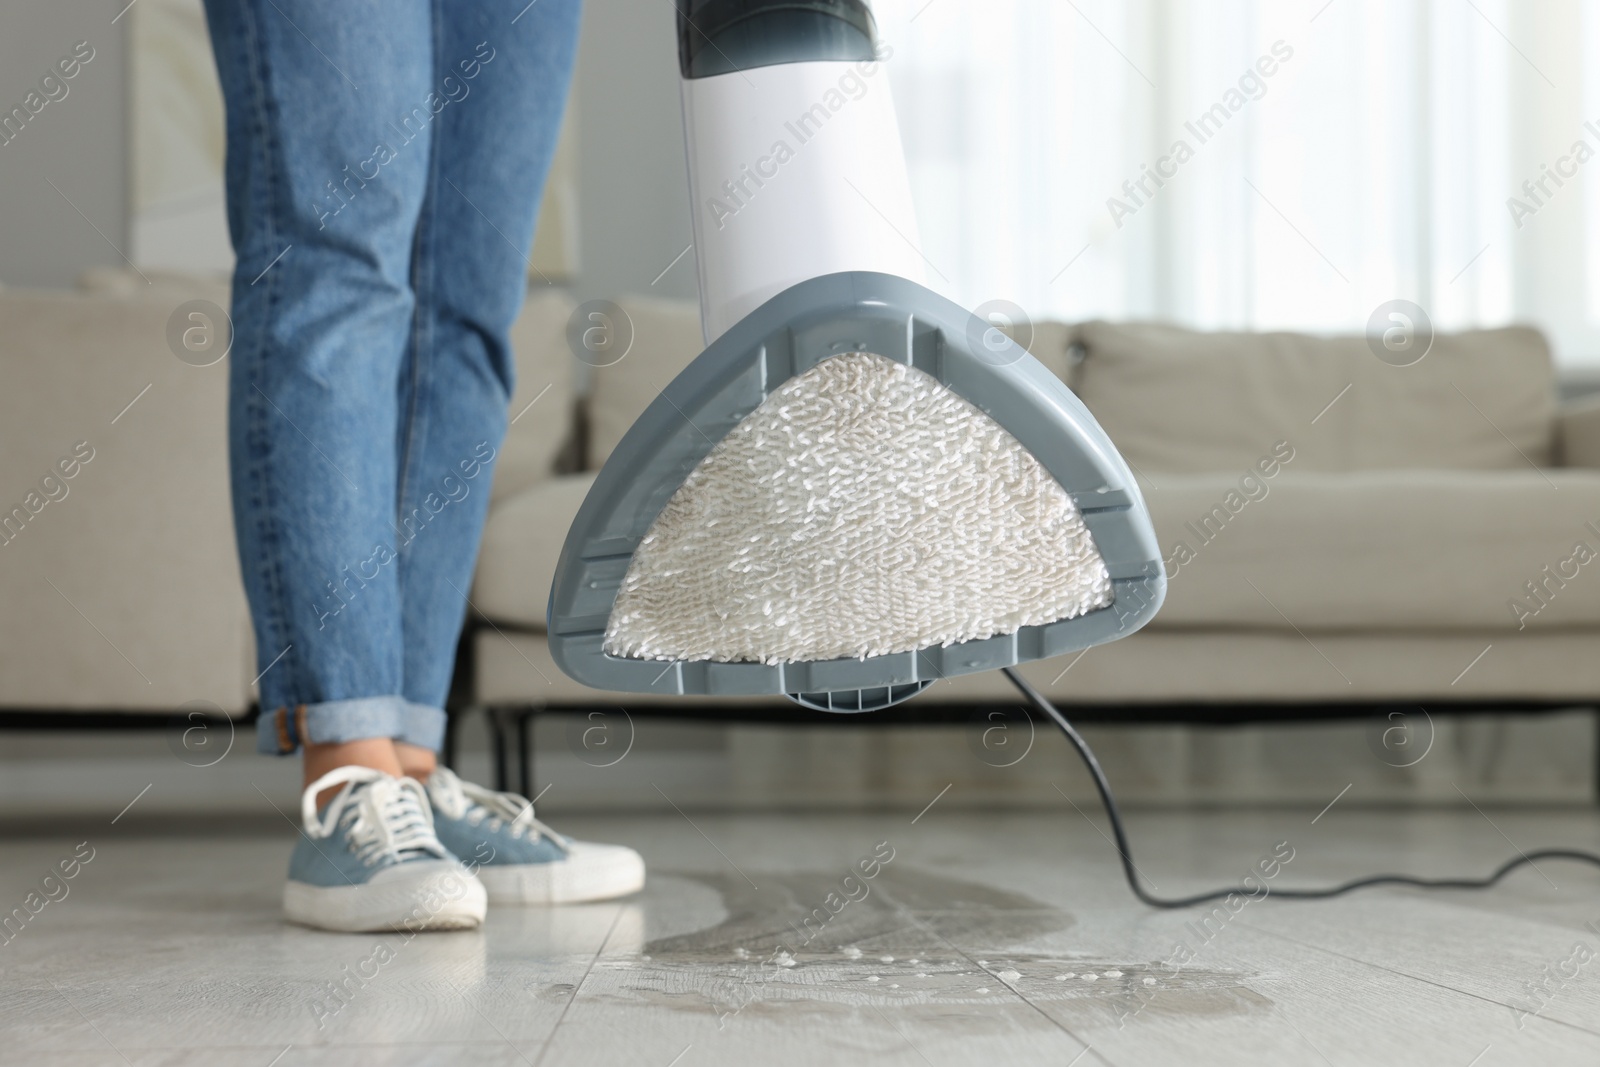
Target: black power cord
1038	700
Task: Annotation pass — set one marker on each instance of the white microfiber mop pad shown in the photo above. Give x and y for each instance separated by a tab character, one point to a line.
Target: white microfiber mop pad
862	509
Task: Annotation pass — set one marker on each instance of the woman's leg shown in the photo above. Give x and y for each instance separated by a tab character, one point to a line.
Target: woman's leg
503	77
329	147
505	71
329	116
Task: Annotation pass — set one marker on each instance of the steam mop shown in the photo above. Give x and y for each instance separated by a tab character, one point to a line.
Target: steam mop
859	487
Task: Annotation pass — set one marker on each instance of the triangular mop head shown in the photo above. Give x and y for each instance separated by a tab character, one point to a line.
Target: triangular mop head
845	498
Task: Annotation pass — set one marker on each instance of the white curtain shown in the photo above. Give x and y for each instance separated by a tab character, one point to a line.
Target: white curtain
1316	158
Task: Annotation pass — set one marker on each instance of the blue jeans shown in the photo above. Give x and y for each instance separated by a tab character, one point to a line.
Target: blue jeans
385	160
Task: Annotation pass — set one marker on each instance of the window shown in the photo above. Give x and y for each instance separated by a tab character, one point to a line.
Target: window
1263	165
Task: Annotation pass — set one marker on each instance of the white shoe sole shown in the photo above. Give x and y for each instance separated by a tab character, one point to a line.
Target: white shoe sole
589	872
420	895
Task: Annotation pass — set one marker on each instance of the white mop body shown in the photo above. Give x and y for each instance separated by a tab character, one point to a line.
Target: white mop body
862	509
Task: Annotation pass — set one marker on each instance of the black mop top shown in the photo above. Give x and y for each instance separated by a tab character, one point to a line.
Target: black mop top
722	36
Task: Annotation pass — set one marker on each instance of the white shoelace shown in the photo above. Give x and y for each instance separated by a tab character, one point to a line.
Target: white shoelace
384	816
475	804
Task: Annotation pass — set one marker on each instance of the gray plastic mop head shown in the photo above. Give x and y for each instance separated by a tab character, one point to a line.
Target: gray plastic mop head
857	490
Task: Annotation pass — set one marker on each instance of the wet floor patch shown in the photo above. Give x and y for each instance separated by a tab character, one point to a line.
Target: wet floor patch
917	939
793	909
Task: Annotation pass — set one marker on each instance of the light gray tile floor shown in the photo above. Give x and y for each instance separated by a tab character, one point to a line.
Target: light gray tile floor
1004	939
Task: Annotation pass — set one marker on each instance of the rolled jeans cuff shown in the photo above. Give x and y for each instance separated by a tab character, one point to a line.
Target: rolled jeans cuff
281	732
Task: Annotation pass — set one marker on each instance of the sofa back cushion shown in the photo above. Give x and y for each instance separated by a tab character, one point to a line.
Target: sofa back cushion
1183	400
544	380
666	337
1051	344
538	340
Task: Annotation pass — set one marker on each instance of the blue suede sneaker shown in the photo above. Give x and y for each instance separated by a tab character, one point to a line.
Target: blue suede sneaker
371	861
519	859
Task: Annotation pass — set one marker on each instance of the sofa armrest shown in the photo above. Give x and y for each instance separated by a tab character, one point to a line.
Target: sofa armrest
1578	433
118	571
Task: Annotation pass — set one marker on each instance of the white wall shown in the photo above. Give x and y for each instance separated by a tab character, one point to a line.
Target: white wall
633	199
77	142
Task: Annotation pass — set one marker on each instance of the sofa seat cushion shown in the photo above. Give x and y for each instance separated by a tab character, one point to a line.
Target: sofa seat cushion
1436	550
1441	551
1184	400
521	543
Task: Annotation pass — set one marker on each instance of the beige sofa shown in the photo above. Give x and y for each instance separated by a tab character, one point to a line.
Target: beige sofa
1339	531
1382	561
120	584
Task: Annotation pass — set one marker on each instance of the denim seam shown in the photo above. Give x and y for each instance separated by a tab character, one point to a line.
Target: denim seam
421	295
418	361
266	191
